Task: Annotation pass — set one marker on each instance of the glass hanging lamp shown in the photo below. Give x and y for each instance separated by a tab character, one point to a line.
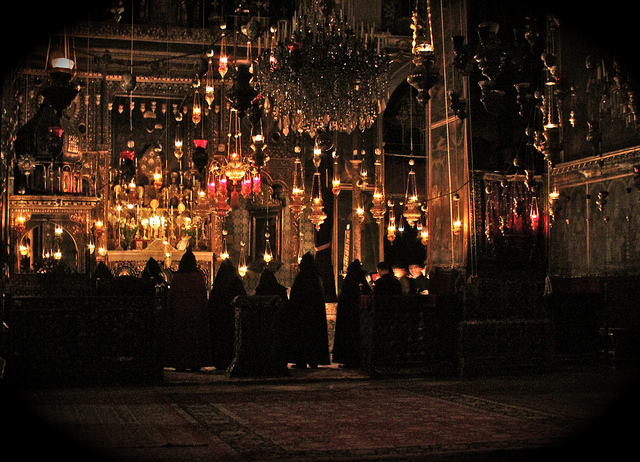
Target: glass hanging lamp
297	191
224	253
223	66
378	209
335	182
196	110
242	262
534	215
209	88
391	227
268	254
457	223
424	231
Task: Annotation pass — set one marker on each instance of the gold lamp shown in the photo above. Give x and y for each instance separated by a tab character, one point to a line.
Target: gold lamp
317	215
411	206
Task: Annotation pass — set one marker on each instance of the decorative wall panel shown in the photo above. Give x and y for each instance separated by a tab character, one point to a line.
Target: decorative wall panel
594	230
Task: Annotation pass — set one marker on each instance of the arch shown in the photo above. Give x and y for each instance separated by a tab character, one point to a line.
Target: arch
41	255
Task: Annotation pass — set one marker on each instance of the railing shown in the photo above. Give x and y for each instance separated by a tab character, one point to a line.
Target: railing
63	339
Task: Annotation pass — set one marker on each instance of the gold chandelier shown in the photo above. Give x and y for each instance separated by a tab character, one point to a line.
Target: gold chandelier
236	166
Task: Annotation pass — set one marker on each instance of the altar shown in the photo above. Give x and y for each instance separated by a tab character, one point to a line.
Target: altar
132	262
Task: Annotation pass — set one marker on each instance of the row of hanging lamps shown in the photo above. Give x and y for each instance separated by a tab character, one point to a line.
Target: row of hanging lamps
422	78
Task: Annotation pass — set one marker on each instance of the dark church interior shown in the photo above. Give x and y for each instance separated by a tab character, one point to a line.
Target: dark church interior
319	230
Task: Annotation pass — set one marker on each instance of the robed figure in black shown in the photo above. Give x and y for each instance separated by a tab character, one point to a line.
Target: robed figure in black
308	332
226	287
187	338
387	283
261	330
346	345
269	285
152	272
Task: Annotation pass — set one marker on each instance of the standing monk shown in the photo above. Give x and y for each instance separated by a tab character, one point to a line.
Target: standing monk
308	332
186	321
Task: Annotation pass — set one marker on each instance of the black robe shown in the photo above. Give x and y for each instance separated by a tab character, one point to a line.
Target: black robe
346	345
308	332
387	284
153	272
226	287
420	284
261	331
187	341
269	285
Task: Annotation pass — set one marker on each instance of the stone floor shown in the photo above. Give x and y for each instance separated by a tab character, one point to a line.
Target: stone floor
331	414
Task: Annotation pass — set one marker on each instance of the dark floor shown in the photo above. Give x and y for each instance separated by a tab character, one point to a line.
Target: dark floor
332	414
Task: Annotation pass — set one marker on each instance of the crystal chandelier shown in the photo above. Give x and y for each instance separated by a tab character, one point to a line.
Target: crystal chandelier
323	55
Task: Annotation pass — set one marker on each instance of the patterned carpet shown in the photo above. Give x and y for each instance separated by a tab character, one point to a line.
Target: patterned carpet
334	420
369	422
